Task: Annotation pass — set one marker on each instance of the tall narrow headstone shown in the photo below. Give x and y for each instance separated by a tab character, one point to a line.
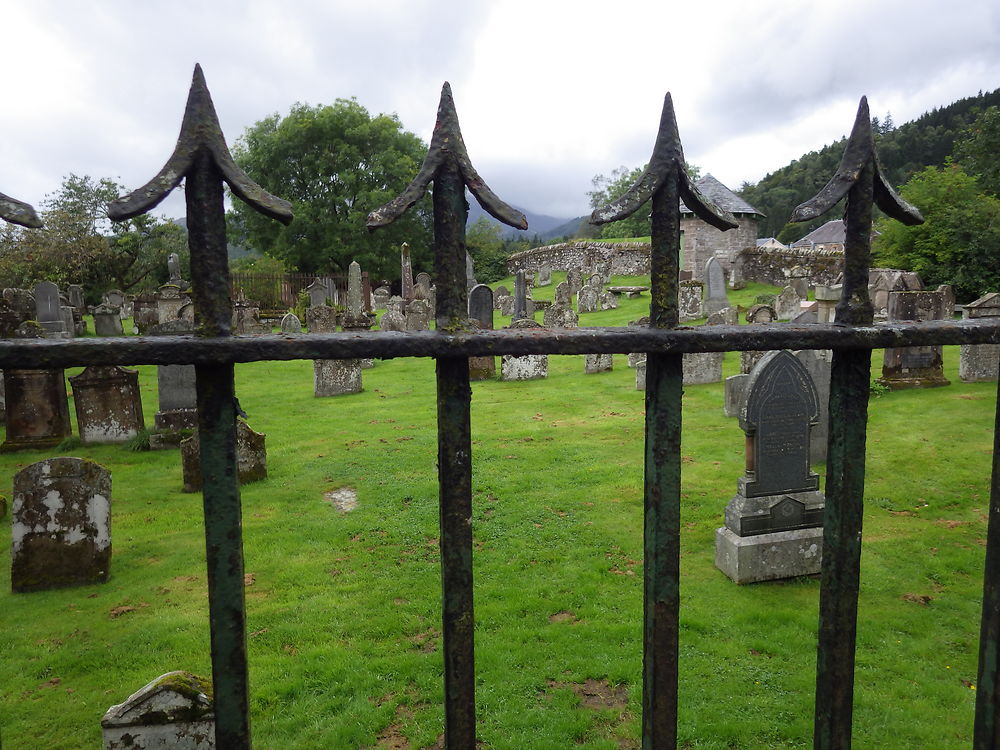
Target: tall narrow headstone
481	311
470	272
819	363
774	523
520	296
61	525
178	397
715	287
574	279
108	404
544	275
356	318
406	272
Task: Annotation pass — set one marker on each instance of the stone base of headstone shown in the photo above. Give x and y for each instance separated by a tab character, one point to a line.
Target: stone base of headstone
168	440
978	363
735	392
251	457
482	368
173	711
769	557
899	379
528	367
176	419
702	367
597	363
336	377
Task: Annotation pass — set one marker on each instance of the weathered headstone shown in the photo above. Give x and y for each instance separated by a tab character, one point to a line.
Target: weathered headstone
914	366
978	362
560	316
356	317
520	296
827	298
48	310
406	272
798	280
381	297
593	363
527	367
290	323
774	522
336	377
418	315
321	319
608	301
169	300
470	272
318	293
246	319
562	294
145	314
787	304
574	279
947	293
37	409
735	392
178	398
107	321
586	300
544	275
818	363
500	291
640	373
173	712
715	287
505	304
759	313
251	457
61	525
108	404
74	293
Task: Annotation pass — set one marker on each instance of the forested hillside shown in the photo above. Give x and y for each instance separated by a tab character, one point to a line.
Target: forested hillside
903	151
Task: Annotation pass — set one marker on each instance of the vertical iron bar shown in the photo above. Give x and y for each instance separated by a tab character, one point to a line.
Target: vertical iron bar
845	486
454	464
987	731
661	523
217	436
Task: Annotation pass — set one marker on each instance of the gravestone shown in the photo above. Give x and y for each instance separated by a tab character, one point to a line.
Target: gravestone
418	315
798	280
356	318
107	321
48	310
318	293
61	525
178	397
774	522
608	301
505	304
108	404
290	323
574	280
393	318
246	319
406	272
827	298
787	304
520	296
422	286
757	314
914	366
145	314
728	316
544	275
735	392
37	409
640	373
173	712
381	297
700	368
593	363
470	272
74	293
737	276
321	319
481	311
251	457
715	287
169	300
500	291
560	316
586	300
818	363
978	362
562	294
336	377
527	367
947	293
603	269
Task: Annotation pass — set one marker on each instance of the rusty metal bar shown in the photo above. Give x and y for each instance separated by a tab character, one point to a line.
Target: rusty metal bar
987	724
845	487
42	353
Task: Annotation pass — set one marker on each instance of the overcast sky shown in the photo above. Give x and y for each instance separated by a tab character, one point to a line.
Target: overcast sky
548	93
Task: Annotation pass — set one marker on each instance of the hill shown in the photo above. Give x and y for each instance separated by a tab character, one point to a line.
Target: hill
539	225
903	151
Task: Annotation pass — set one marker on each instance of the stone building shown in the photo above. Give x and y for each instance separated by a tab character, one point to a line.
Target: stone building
700	241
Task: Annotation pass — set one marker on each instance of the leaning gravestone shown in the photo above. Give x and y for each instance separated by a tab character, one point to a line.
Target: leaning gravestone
774	523
481	311
108	405
251	457
173	712
336	377
715	287
914	366
979	362
527	367
61	525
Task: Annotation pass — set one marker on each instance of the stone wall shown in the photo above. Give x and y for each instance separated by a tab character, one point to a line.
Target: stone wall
701	241
627	258
771	266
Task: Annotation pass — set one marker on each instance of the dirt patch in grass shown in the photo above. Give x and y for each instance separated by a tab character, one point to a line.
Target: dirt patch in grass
922	599
563	616
596	694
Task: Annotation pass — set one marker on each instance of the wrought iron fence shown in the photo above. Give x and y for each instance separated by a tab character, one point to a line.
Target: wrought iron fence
277	291
202	159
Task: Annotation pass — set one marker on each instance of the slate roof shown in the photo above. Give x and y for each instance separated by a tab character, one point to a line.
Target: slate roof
721	196
831	232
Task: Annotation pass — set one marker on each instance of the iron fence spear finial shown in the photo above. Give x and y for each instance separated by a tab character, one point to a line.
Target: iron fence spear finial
18	212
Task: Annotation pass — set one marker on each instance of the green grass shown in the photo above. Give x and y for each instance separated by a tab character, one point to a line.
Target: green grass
343	611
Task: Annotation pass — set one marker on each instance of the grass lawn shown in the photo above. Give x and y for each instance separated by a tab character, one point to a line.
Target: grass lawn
343	608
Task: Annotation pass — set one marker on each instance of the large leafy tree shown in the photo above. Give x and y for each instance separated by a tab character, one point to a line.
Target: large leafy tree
79	245
335	164
978	150
609	187
957	243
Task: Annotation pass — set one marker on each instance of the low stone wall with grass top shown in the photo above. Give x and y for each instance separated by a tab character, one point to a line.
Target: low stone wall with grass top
772	266
626	258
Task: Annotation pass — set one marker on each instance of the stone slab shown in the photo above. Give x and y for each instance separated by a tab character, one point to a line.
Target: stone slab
769	557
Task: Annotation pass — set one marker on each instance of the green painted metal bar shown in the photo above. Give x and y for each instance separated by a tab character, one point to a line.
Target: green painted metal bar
454	464
845	486
662	484
217	438
987	725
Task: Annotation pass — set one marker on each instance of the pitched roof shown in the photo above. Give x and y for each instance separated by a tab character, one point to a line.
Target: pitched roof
831	232
721	196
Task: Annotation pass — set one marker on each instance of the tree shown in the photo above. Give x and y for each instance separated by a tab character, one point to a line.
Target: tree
977	149
615	185
335	164
80	245
957	242
485	244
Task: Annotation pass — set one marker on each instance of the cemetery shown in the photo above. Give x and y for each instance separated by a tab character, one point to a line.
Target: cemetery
343	598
